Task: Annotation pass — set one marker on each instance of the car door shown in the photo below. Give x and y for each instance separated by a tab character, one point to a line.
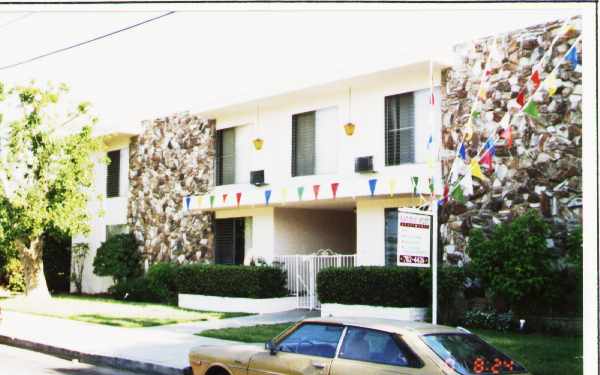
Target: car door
308	350
369	352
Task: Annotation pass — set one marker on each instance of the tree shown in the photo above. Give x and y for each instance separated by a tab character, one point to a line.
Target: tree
46	170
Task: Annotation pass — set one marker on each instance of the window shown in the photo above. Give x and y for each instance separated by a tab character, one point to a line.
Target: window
399	129
225	159
112	230
303	144
229	241
367	345
112	173
391	236
313	339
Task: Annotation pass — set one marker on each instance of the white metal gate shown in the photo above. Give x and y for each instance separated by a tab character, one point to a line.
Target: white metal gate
302	273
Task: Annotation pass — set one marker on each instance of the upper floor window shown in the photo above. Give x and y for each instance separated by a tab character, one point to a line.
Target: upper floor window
314	144
399	129
225	158
112	173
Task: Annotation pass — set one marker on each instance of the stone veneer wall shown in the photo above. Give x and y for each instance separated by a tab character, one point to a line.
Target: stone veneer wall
542	170
171	159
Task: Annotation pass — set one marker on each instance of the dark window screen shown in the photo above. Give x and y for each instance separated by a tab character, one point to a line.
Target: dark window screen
112	173
303	144
225	159
391	236
399	129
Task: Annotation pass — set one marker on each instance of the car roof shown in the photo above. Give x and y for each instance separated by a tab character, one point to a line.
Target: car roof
389	325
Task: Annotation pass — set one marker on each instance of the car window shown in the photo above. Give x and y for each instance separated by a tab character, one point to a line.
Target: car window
312	339
369	345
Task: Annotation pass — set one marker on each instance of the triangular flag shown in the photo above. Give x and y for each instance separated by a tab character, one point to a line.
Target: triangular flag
535	78
212	201
446	189
551	84
507	134
475	169
467	183
462	152
392	184
372	185
457	169
432	98
475	114
481	93
267	197
531	109
457	194
238	197
284	193
334	188
486	159
300	191
521	98
224	198
488	144
468	130
415	184
316	189
572	56
430	162
187	202
429	141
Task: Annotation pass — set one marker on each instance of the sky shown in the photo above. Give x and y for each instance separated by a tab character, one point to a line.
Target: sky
209	56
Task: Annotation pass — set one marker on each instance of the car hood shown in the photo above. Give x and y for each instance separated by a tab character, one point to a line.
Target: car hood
235	355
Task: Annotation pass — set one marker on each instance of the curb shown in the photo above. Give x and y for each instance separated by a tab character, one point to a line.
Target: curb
94	359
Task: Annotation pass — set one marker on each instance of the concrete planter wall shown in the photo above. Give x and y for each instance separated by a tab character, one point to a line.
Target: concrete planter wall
234	304
397	313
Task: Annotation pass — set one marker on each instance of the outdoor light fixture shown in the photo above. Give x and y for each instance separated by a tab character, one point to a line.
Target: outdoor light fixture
258	142
349	127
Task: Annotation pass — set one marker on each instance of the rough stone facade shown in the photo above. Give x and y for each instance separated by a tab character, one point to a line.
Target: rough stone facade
171	159
542	170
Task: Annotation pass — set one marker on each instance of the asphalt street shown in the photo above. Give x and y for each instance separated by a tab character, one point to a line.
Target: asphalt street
15	361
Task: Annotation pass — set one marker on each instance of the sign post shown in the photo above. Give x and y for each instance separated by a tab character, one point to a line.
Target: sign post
417	245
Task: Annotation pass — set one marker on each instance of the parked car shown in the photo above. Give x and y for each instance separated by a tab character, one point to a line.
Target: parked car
330	346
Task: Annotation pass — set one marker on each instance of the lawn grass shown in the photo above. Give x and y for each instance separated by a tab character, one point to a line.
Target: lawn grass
540	354
110	312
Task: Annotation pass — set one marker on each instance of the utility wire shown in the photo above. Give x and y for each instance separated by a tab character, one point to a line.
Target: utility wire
16	19
85	42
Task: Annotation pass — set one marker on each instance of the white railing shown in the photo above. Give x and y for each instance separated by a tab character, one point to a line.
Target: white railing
302	273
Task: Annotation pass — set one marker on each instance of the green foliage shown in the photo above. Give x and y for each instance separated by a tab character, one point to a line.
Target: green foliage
119	258
231	281
451	285
157	285
514	263
13	275
488	319
136	289
379	286
574	251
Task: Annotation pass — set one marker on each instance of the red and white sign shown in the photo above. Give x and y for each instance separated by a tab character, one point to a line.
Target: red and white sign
414	239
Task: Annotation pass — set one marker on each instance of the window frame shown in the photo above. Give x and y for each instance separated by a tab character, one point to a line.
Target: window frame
279	339
400	343
219	137
388	132
294	161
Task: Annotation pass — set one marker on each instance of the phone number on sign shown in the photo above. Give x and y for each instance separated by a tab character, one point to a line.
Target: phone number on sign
413	259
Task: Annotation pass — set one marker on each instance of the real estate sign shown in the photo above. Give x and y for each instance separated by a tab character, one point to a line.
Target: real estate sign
414	239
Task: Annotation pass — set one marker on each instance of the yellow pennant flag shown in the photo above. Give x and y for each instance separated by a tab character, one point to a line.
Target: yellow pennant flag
468	130
551	85
475	169
481	93
284	195
392	183
430	162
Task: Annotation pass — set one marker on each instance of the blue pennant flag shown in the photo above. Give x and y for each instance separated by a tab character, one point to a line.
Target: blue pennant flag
372	184
462	152
488	144
267	196
429	141
188	199
572	57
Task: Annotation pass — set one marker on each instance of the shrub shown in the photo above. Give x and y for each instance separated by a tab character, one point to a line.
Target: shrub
451	285
379	286
13	275
514	263
161	281
575	258
135	289
488	320
118	257
231	281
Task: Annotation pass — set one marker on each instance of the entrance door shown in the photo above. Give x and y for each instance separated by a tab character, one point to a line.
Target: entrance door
229	241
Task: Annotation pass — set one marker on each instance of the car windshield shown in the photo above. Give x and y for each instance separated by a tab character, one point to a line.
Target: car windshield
467	354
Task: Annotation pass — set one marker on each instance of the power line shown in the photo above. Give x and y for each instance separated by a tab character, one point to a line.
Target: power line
85	42
16	19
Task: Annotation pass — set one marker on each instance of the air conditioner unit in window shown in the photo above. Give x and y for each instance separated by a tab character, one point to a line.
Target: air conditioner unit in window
363	164
257	178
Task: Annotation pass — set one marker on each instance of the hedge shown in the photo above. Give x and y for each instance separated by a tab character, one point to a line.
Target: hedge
231	281
388	286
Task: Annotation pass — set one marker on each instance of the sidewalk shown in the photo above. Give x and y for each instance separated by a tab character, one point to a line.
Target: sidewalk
158	350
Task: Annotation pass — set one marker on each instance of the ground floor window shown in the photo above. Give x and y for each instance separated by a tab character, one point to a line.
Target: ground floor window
391	236
230	241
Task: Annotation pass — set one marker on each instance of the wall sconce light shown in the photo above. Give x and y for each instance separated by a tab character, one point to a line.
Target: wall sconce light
258	143
349	128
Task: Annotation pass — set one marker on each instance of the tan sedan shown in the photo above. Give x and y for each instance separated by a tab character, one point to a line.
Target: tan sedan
330	346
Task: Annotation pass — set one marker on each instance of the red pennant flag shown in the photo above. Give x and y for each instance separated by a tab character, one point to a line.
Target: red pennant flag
486	159
446	191
334	187
488	72
507	134
224	197
521	98
238	197
316	189
535	78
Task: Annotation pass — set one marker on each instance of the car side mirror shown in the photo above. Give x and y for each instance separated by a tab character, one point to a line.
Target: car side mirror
270	346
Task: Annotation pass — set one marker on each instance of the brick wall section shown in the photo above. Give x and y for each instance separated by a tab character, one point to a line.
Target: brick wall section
542	170
171	159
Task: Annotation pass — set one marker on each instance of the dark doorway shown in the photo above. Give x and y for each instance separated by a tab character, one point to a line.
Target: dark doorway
229	241
57	262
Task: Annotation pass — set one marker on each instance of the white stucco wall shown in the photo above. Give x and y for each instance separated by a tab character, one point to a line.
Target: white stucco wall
103	212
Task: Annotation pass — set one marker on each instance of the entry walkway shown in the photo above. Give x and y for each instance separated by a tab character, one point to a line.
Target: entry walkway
158	350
